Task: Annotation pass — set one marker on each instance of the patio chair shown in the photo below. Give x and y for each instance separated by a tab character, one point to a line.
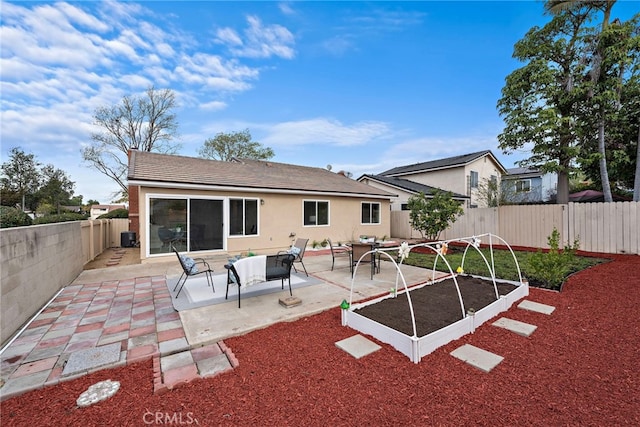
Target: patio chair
190	268
339	252
166	236
297	250
357	251
276	267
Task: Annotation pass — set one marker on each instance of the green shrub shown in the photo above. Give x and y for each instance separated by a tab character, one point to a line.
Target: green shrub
63	217
116	213
553	267
12	217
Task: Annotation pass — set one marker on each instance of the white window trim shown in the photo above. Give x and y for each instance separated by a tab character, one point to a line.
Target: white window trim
316	201
228	220
379	210
523	191
149	196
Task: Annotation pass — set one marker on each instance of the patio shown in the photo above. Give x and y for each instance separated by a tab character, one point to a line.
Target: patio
130	307
579	367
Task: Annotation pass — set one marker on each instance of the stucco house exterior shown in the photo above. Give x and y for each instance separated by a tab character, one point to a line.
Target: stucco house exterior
462	175
525	185
207	206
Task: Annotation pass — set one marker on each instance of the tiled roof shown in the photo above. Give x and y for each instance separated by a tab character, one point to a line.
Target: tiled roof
449	162
147	168
411	186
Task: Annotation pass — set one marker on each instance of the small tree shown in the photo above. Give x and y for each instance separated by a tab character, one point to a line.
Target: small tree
225	146
432	215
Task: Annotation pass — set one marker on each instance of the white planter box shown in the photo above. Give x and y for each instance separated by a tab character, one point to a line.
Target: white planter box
415	348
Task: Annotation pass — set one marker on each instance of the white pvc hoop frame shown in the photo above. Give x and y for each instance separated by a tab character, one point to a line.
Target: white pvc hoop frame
473	241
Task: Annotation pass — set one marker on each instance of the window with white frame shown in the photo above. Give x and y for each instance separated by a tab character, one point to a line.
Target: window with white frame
370	213
243	217
473	179
523	186
316	212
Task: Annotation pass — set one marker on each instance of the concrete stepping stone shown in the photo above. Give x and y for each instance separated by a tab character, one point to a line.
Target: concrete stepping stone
91	358
520	328
477	357
98	392
358	346
536	306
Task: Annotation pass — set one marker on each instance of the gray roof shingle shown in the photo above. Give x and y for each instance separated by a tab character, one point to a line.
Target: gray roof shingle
411	186
439	164
148	168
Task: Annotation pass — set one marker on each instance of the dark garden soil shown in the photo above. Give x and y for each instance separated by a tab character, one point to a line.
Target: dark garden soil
579	368
434	306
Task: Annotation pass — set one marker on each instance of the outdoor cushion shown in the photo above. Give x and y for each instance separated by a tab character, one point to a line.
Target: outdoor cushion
189	264
294	251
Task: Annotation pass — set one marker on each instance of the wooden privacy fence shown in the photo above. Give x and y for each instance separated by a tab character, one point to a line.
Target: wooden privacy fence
599	227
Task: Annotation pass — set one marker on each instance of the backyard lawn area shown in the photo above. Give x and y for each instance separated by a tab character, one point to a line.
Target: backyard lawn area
503	262
579	367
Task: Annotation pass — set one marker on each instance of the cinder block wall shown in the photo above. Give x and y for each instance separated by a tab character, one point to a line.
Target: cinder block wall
37	261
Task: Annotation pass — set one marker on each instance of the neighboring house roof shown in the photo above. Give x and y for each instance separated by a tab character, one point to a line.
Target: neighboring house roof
516	173
108	208
71	208
164	170
407	185
447	163
594	196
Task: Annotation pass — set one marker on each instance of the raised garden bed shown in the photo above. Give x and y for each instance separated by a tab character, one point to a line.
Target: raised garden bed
437	312
418	320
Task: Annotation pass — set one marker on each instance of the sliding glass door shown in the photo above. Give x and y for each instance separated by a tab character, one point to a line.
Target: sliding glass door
186	224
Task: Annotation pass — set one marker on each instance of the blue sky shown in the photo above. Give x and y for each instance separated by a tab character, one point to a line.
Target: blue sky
361	86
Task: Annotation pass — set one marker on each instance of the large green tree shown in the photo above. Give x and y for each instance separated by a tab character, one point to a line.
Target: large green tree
20	176
225	146
539	100
23	179
609	62
56	189
140	122
617	97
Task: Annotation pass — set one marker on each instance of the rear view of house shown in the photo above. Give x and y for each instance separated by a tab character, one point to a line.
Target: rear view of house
200	205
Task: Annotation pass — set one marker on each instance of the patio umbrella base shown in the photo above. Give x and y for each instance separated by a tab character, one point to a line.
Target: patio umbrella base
289	302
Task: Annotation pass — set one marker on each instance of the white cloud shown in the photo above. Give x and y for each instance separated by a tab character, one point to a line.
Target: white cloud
260	41
213	106
228	36
323	131
286	8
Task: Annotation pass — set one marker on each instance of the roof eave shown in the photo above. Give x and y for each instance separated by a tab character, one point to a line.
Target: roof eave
262	190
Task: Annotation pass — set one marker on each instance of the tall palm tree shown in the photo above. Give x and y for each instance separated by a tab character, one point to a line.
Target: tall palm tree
555	6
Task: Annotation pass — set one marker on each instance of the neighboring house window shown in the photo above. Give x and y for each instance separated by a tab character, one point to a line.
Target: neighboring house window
523	186
474	179
243	217
316	212
404	207
370	213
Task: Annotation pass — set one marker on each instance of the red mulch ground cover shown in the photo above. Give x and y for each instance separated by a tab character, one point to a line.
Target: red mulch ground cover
580	367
